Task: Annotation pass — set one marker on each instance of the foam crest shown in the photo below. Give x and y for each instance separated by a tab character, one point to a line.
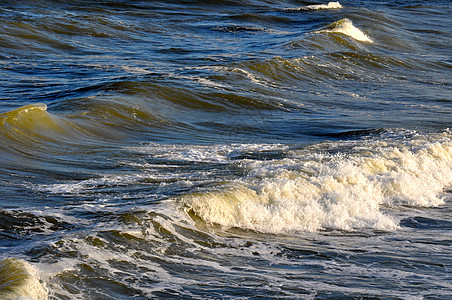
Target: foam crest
346	192
345	26
20	280
329	5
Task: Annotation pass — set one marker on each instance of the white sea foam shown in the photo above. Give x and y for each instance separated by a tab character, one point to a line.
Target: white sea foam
20	280
108	180
345	26
163	173
75	187
322	191
329	5
204	153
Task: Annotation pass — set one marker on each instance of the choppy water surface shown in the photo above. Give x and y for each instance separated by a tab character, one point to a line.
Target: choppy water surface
225	149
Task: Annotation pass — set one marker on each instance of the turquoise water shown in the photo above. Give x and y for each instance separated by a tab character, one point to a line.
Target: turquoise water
225	149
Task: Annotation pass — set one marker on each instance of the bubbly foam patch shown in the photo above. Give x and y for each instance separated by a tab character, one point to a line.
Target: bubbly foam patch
345	26
20	280
307	192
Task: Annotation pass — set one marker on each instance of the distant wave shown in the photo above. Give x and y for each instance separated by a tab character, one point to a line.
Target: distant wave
329	5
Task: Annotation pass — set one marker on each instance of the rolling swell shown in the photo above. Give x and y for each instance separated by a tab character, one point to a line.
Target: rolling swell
128	108
334	69
351	55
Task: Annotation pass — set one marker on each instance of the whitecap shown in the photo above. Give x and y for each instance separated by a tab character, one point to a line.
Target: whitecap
329	5
345	26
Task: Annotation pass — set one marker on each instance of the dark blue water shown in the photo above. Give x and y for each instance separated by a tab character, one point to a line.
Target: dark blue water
225	149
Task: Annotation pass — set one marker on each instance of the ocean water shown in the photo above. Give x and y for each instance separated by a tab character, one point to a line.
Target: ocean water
225	149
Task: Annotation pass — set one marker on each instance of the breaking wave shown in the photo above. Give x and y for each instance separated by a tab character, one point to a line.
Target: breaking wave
345	191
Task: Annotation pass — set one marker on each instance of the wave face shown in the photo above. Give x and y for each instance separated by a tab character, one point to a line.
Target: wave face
19	280
225	149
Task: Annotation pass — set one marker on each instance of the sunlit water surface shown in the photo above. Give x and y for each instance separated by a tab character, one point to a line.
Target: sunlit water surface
225	149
